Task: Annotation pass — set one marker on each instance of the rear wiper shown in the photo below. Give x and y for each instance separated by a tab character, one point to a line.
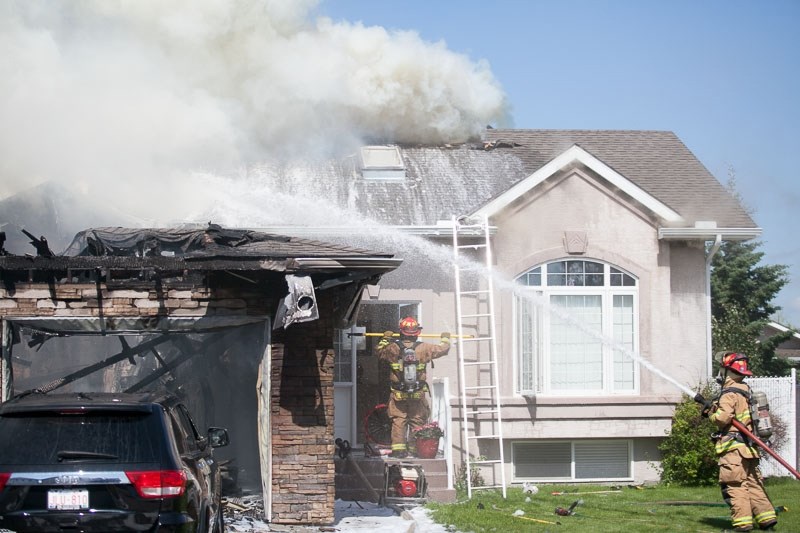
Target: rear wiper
68	455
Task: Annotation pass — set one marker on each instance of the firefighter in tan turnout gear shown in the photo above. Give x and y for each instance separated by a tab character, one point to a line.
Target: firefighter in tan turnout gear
408	358
739	476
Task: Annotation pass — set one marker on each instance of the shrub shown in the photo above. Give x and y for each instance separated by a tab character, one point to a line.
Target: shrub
687	453
476	479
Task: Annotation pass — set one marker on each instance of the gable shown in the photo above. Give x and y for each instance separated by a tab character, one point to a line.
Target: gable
575	155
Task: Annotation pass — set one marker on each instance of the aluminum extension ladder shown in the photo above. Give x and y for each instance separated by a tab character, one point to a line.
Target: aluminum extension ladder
477	358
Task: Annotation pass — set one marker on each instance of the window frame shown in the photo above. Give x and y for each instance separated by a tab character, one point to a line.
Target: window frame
541	327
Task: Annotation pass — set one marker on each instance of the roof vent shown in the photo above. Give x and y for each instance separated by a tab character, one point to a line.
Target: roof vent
382	163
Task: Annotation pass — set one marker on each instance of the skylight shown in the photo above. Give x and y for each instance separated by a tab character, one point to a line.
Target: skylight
382	163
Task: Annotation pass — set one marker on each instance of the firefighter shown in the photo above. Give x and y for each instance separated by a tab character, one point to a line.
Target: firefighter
739	476
408	359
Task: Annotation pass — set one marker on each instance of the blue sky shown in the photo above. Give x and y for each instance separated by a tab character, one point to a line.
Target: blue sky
723	75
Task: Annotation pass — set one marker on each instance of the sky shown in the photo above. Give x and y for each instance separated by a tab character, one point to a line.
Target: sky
723	75
115	99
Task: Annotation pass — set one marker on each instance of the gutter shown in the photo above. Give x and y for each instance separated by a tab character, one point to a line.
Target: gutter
443	228
702	233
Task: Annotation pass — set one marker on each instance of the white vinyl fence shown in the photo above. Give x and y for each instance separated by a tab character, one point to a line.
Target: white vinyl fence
782	395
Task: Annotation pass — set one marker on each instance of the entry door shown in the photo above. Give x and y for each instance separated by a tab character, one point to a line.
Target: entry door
361	381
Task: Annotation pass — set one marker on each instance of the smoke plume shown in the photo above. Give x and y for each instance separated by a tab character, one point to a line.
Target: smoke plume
124	100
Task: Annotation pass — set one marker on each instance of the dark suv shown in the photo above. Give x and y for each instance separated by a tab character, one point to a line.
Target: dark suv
106	462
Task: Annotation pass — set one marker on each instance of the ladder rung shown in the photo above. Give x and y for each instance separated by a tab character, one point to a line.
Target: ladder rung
465	246
483	412
475	363
481	387
484	437
469	293
485	462
476	315
473	339
484	487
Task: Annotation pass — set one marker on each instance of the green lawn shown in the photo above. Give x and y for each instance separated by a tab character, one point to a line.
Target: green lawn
658	508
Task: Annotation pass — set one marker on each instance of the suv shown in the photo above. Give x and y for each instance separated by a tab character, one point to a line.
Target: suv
106	462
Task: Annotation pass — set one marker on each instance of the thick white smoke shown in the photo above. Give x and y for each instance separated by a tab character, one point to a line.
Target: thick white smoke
123	97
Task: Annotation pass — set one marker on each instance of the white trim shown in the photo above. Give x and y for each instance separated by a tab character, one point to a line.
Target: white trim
576	154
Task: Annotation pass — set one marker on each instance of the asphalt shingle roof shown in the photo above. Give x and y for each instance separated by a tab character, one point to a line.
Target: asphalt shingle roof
450	181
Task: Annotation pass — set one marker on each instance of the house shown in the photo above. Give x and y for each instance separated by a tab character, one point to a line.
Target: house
788	349
613	230
601	243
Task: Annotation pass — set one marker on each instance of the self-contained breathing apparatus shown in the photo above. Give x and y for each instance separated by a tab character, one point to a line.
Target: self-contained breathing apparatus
408	369
759	411
410	381
756	400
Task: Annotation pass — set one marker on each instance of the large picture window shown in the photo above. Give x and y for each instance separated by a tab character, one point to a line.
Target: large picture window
574	327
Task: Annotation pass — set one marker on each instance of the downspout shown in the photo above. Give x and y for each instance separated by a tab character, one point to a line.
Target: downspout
709	257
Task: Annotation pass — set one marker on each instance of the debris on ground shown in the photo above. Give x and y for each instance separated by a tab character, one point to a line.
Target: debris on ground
245	514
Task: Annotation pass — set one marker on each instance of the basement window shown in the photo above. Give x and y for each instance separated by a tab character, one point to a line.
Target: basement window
578	460
382	163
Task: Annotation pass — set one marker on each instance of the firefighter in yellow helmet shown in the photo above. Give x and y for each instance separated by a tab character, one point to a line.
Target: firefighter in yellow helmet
739	476
408	359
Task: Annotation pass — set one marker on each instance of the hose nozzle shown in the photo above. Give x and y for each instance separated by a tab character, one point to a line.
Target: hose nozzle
699	399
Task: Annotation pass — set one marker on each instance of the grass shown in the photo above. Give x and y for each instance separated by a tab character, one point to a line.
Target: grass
629	510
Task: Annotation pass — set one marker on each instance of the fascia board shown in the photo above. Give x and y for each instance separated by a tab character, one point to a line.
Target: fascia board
572	155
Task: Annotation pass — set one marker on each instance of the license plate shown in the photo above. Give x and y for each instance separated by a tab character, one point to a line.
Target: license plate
67	499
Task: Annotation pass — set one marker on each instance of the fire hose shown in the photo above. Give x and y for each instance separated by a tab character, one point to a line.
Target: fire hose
741	427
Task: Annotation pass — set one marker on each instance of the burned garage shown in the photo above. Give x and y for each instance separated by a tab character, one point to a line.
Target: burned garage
238	323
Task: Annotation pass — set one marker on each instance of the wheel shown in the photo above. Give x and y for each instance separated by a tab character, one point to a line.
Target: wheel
378	425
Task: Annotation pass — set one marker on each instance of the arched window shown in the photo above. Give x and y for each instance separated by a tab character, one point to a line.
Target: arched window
575	321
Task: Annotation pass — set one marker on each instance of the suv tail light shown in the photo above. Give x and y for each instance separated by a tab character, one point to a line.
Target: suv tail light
4	477
158	483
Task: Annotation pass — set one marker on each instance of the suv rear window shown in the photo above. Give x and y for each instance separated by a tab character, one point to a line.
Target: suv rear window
130	437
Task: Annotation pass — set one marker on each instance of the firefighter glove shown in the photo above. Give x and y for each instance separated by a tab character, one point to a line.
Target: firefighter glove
707	408
445	337
385	340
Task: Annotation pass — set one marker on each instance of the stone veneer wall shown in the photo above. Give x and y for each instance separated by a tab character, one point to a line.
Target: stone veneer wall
302	375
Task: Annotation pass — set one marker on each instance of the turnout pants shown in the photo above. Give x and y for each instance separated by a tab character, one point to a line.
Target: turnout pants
748	499
405	414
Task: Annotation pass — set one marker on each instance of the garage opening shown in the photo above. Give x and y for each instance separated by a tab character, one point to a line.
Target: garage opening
213	369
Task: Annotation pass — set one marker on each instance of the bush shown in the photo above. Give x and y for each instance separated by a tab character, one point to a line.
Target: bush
687	453
476	479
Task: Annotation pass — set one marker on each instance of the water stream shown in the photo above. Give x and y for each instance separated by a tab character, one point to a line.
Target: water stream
252	203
